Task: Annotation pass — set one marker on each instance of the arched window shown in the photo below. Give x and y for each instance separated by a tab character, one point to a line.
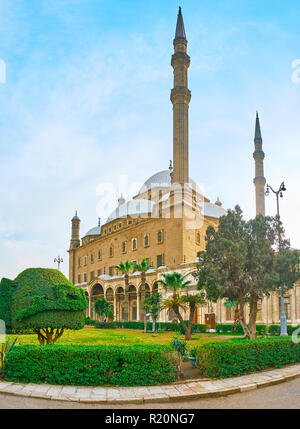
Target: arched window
134	244
111	251
124	247
99	255
146	240
160	237
198	237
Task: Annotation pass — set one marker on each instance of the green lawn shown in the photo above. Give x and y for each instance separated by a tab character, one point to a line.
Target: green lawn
92	336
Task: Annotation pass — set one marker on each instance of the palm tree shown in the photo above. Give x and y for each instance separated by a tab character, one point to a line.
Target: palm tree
125	268
152	304
143	267
103	308
175	282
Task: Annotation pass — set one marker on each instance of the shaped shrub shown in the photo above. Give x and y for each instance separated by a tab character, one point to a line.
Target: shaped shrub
228	359
92	365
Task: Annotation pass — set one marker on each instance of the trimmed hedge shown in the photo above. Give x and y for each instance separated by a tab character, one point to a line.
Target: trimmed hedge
260	329
92	365
89	321
105	325
166	326
228	359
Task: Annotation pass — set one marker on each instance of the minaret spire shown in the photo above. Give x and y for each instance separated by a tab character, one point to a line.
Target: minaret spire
259	180
180	31
180	97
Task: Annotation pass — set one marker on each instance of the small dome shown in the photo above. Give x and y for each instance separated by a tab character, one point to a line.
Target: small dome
75	217
212	210
94	231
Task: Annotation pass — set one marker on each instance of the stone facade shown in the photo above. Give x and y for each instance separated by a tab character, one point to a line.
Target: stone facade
165	222
113	290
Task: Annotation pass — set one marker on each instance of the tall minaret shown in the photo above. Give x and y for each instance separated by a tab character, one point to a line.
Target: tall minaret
259	180
180	97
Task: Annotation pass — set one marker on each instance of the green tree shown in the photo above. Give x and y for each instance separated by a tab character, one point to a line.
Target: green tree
143	267
287	262
125	268
238	263
176	282
152	305
103	308
42	300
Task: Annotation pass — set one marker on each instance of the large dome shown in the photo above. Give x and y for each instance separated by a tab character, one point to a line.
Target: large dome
161	179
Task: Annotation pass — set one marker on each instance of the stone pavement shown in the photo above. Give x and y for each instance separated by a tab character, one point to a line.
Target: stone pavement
192	389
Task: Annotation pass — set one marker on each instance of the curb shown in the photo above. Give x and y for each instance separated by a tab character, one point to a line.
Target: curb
188	390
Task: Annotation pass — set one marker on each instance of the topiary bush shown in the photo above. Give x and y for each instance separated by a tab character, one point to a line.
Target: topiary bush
42	300
233	358
92	365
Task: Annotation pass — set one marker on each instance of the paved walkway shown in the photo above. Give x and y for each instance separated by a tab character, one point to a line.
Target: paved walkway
151	394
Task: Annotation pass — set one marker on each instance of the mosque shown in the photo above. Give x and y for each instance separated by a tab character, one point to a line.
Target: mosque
165	222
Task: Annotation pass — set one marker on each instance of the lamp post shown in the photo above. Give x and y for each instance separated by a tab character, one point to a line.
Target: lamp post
58	260
279	193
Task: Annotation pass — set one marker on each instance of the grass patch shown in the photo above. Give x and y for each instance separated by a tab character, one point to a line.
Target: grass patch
93	336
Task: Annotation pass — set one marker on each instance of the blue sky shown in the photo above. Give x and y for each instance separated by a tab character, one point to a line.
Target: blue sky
86	99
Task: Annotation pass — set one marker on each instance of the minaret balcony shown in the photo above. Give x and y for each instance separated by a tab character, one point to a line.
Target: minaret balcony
180	58
258	154
180	93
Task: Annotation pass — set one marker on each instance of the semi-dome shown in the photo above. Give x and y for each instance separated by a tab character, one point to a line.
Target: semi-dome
94	231
136	207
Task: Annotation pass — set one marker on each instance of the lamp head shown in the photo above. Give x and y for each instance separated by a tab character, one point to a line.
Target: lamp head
267	191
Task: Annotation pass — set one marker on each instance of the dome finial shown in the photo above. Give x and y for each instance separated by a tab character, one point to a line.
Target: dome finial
99	221
170	166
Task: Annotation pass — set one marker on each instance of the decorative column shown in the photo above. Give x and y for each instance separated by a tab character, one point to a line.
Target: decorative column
115	307
297	293
138	306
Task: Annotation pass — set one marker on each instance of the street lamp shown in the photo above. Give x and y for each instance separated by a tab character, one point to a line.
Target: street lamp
58	260
279	193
